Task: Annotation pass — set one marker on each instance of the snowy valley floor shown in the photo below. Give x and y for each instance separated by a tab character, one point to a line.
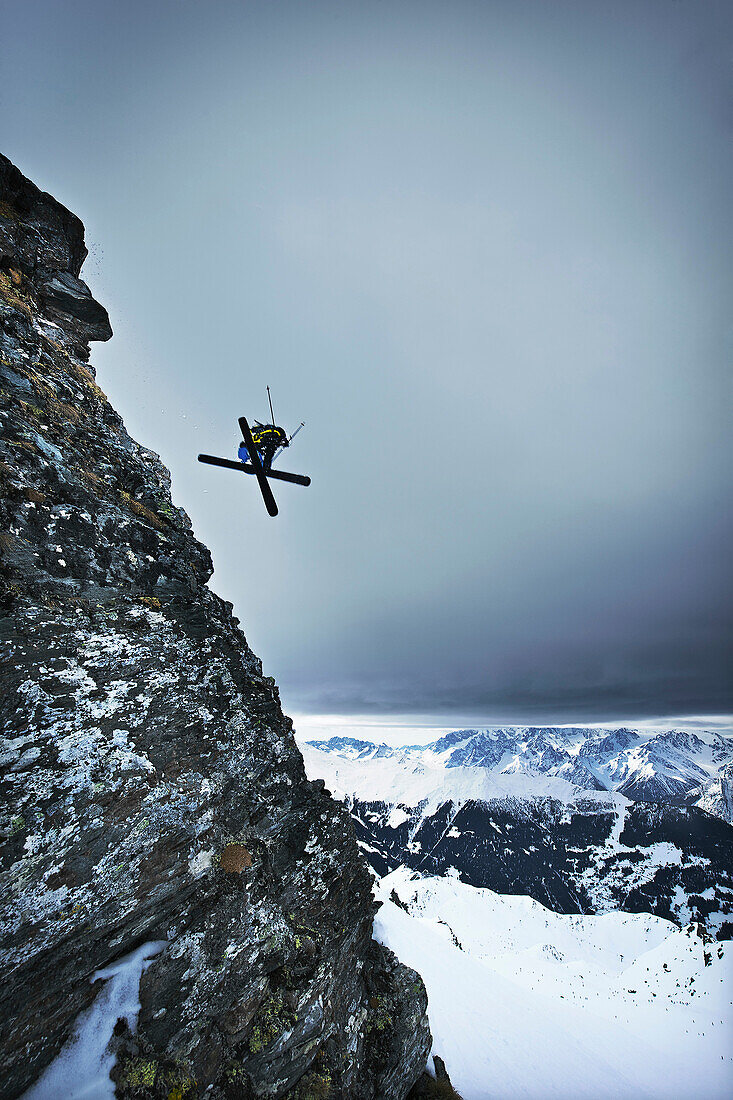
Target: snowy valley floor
536	1005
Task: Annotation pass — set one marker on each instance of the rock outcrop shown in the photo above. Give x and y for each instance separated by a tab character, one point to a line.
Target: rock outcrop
717	797
151	786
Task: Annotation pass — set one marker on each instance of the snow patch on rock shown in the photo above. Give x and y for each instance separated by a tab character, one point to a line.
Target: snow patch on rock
82	1069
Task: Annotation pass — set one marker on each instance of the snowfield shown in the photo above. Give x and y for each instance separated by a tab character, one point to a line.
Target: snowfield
527	1003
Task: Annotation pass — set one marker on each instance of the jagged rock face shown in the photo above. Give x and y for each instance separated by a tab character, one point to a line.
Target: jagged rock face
151	785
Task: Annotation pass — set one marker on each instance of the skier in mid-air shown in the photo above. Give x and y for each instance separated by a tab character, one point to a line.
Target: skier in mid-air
258	448
268	439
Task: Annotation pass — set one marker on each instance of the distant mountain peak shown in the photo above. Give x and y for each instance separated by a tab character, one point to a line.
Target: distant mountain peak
644	765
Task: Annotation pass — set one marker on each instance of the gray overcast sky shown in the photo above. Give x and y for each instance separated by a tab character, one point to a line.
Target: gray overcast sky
483	250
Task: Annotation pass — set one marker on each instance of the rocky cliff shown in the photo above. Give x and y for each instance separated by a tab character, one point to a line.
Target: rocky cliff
151	786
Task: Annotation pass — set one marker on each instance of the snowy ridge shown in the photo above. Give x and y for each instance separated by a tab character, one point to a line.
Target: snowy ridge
525	1002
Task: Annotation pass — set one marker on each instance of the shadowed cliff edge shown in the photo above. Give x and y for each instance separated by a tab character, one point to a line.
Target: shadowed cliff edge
151	786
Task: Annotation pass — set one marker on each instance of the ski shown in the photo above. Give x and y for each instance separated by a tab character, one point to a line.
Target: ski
260	474
245	468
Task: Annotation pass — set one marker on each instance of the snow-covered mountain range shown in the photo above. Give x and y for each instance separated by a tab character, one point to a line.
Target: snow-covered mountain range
556	814
668	765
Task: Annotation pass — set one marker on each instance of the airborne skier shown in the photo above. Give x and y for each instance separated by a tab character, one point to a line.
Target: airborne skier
256	452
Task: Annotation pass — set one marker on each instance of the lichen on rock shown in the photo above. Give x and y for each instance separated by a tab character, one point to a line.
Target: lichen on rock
151	785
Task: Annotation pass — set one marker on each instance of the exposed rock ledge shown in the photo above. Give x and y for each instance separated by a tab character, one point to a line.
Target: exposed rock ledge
151	785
